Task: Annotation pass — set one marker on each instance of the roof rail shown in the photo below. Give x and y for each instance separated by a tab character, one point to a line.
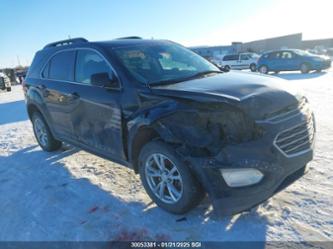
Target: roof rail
66	42
129	37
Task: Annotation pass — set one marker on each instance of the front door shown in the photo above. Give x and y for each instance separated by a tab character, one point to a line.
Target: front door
97	121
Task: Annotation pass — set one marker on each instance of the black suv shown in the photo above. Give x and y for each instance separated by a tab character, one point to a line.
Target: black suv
175	118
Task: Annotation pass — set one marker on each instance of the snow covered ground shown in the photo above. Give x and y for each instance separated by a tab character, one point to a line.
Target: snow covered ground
73	195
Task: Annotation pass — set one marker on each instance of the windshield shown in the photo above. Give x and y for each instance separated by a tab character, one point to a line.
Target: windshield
162	62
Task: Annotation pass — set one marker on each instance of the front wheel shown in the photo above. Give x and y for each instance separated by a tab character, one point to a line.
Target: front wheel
305	68
227	68
167	180
43	134
253	67
9	89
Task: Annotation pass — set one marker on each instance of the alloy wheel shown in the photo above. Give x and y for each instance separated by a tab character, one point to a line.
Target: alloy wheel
41	133
163	178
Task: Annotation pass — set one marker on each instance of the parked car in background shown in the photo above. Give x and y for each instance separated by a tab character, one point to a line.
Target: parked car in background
330	53
239	61
185	126
5	82
292	60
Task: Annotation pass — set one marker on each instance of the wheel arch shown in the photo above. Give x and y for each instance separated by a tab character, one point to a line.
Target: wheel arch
142	136
35	107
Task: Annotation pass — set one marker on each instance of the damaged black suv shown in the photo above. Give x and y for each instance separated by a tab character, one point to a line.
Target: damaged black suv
185	126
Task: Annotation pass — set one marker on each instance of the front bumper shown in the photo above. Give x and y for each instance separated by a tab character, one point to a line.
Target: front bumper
322	65
279	169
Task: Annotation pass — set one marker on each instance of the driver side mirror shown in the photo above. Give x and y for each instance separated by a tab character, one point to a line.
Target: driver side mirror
104	80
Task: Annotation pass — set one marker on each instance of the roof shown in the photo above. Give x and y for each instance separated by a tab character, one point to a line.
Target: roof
82	42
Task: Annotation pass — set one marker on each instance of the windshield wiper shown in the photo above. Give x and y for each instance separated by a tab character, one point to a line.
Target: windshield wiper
194	76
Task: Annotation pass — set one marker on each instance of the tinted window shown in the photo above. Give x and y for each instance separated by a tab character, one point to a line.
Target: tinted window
89	63
61	67
244	57
275	55
286	55
232	57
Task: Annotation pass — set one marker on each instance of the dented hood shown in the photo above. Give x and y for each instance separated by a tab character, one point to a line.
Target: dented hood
257	95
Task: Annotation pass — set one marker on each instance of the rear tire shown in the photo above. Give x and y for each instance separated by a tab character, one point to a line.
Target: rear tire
305	68
43	135
263	69
227	68
176	192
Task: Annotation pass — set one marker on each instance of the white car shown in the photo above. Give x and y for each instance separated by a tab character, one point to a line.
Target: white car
5	82
239	61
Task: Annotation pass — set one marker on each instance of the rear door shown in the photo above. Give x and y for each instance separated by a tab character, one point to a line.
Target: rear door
274	61
97	120
232	61
56	89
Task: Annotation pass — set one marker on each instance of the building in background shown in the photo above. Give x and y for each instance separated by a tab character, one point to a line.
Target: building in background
260	46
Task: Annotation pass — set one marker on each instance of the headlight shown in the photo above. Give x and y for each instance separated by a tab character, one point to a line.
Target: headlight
241	177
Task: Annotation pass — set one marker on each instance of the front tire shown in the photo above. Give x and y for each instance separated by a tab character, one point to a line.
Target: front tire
305	68
167	180
9	89
253	67
42	133
227	68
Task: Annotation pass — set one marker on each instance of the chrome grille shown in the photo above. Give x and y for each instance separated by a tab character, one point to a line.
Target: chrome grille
296	140
288	112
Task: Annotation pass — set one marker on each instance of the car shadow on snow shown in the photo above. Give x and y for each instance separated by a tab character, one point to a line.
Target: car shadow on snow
12	112
299	76
46	201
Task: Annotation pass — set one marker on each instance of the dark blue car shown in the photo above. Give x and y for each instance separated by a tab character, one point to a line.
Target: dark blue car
292	60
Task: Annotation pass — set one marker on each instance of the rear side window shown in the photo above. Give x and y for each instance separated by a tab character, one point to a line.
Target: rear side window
244	57
62	66
89	63
275	55
232	57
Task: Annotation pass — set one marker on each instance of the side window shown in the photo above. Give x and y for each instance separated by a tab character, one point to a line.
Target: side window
235	57
244	57
61	66
226	58
88	64
286	55
275	55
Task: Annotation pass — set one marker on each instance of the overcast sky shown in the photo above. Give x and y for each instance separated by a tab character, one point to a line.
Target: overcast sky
27	26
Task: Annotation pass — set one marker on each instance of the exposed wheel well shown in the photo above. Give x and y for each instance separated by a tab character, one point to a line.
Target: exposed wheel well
143	136
31	109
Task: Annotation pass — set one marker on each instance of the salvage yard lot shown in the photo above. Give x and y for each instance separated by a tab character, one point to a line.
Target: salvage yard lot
73	195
